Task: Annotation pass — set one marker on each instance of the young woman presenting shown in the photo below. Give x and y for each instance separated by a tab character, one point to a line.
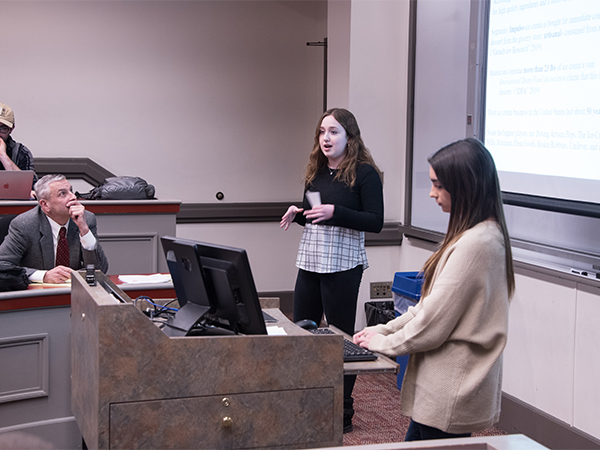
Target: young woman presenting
331	258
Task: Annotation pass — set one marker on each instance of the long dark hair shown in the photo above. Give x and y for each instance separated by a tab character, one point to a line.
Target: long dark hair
356	151
467	171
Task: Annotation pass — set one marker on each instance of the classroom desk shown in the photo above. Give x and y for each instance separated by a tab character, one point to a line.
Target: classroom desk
382	364
35	355
129	230
46	295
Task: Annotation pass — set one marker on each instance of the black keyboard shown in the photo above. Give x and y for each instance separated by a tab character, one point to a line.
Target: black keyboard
352	352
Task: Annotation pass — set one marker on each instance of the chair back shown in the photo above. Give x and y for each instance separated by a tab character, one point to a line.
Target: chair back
5	220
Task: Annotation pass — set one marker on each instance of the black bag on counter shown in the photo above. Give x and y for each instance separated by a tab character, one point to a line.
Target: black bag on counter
120	188
12	278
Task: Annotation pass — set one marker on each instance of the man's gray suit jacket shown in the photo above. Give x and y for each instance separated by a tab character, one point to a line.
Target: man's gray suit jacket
30	244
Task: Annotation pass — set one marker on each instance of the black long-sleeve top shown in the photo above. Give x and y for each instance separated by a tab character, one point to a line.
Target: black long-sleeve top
358	208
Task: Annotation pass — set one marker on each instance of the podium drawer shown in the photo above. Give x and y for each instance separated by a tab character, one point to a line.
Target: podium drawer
276	419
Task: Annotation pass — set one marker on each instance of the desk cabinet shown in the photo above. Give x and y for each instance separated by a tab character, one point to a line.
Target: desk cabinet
35	364
262	419
35	386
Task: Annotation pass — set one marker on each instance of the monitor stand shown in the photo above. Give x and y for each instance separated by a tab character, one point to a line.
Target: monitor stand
185	319
210	330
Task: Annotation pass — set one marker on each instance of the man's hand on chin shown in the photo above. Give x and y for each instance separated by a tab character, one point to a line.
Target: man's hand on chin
77	213
60	274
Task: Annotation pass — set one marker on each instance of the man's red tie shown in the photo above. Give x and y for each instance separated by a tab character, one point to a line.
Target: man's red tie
62	249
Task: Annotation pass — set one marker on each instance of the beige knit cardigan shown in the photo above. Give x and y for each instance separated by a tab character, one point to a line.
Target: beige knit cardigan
455	336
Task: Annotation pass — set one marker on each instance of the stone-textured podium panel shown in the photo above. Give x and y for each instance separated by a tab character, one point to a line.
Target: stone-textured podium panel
135	387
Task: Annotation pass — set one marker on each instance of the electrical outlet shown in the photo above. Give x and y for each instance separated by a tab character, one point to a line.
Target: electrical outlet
382	289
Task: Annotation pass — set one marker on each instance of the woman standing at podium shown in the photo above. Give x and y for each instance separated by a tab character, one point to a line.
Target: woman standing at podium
457	332
343	199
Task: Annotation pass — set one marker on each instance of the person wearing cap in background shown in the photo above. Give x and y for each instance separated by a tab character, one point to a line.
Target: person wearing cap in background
13	155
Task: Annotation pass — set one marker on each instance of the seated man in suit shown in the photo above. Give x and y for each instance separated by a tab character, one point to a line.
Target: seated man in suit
37	242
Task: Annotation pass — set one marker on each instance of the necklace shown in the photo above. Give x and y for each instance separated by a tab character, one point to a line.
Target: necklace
331	171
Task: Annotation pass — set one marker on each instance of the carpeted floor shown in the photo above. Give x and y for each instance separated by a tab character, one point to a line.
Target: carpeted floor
377	419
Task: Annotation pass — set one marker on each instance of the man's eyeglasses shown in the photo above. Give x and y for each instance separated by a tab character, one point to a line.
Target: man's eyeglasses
4	128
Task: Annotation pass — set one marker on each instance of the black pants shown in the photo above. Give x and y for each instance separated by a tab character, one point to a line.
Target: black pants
419	432
336	295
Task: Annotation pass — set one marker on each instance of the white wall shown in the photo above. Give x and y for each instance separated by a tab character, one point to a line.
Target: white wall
539	359
195	96
368	57
368	43
551	359
586	394
271	251
378	90
339	35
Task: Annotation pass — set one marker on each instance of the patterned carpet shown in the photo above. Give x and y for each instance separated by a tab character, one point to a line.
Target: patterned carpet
377	419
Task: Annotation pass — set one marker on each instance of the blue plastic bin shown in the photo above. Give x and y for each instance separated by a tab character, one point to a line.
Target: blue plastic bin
408	284
406	291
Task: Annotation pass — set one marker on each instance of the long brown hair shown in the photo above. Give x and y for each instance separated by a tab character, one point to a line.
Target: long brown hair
467	171
356	151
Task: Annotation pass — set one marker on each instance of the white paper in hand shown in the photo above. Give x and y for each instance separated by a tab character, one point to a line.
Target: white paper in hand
314	198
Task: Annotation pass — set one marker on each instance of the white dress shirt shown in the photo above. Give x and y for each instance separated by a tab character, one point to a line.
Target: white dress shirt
88	242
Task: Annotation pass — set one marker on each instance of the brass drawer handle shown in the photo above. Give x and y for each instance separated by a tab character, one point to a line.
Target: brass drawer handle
227	422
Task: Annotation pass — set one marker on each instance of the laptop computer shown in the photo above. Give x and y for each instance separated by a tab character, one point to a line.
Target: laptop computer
15	184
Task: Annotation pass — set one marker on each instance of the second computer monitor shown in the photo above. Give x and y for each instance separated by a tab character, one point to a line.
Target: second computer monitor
230	281
217	278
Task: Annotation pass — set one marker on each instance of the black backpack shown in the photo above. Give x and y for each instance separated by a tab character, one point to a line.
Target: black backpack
120	188
12	278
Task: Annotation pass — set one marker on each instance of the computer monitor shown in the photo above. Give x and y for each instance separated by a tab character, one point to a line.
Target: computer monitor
223	274
186	271
231	285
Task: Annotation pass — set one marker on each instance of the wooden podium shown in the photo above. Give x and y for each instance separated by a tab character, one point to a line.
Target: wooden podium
135	387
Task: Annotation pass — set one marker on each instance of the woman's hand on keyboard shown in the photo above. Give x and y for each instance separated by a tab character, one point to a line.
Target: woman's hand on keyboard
363	338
